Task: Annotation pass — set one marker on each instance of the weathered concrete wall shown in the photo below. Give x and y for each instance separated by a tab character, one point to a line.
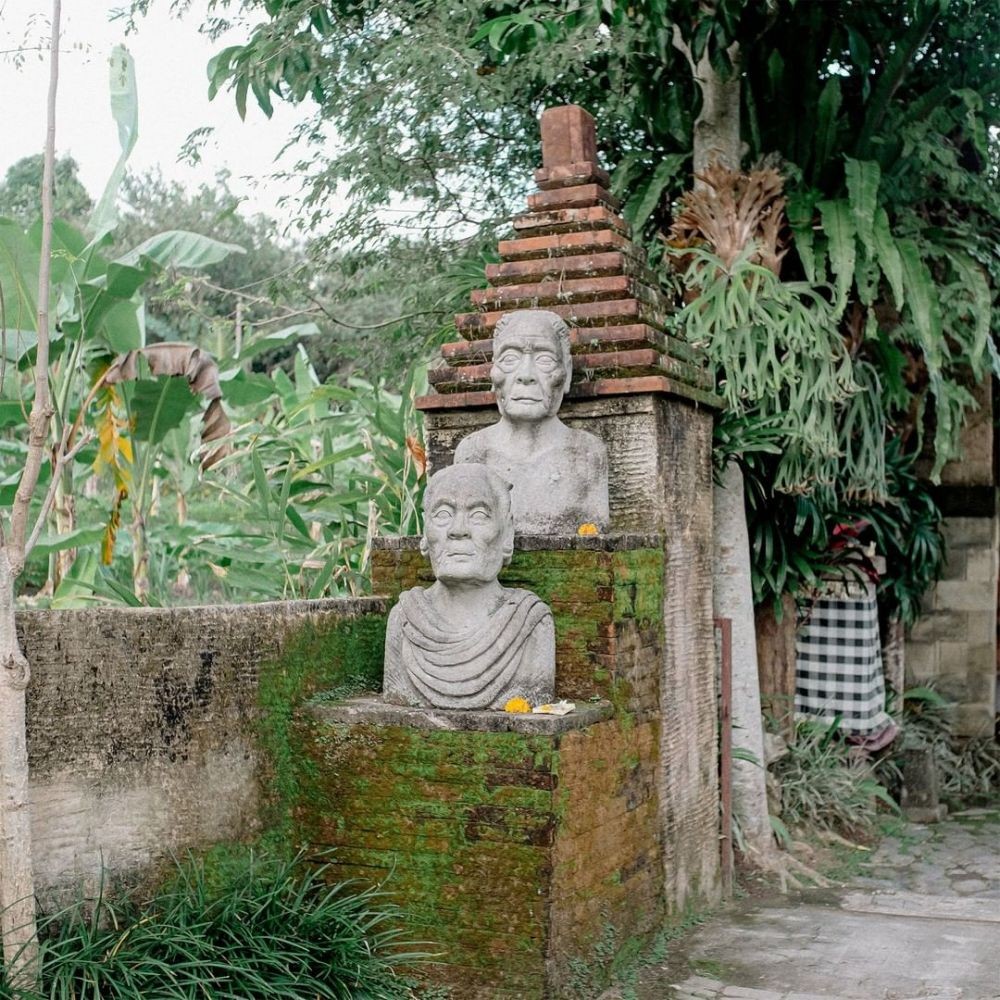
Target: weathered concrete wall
954	644
144	725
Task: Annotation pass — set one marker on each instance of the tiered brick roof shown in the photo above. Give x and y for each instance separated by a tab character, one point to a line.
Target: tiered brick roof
573	254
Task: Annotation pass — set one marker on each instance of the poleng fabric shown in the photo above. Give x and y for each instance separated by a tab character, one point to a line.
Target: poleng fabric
838	661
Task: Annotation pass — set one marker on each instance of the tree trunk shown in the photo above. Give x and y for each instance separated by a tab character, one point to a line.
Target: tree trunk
776	663
717	128
64	510
17	887
733	599
140	556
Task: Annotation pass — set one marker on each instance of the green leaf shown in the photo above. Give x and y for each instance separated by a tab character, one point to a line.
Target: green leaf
887	255
157	406
119	327
863	178
640	207
121	280
259	344
247	390
838	224
125	111
18	276
801	205
178	248
827	109
922	302
977	287
12	413
261	483
73	539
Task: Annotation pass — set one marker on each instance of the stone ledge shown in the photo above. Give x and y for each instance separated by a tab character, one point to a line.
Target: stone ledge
282	609
613	542
375	711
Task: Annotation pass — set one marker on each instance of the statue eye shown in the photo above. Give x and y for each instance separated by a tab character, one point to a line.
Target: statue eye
546	362
480	516
508	360
442	515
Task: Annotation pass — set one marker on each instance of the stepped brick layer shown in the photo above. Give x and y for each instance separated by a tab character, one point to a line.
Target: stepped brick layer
573	255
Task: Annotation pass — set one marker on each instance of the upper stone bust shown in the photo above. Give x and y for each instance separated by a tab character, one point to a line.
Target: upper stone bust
559	475
466	641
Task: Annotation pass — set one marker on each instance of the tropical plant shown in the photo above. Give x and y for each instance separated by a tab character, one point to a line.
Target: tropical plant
906	530
249	925
968	769
824	786
879	119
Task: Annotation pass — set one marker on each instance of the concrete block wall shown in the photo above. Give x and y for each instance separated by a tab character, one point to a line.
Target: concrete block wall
954	644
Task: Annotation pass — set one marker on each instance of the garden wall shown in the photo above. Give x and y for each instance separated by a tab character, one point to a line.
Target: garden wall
148	729
954	645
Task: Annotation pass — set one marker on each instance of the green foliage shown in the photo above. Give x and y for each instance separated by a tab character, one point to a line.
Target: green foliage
248	926
968	770
20	192
879	115
906	529
825	787
781	361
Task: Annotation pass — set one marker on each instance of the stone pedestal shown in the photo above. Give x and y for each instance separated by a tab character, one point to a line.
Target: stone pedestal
526	851
650	397
522	849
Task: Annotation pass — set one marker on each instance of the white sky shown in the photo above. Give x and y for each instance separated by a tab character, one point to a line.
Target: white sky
170	57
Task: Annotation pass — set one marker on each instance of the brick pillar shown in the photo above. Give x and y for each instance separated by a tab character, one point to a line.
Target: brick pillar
651	398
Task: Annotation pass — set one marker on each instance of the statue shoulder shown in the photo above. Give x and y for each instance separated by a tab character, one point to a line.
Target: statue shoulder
589	446
530	600
474	447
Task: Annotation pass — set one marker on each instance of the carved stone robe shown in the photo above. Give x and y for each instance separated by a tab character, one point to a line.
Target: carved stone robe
430	662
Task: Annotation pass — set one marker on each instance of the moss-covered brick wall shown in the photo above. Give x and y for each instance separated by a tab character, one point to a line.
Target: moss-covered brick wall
606	596
527	862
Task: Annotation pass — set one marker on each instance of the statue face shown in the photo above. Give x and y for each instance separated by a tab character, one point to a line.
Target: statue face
529	371
466	534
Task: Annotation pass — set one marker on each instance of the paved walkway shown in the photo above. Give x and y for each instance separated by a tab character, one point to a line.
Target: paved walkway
921	921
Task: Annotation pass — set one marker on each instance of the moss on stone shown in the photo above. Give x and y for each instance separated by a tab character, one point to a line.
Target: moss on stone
316	656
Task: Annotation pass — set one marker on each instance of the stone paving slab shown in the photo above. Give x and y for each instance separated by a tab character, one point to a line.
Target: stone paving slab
919	923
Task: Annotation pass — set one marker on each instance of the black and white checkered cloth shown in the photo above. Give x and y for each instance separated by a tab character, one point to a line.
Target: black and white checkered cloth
838	662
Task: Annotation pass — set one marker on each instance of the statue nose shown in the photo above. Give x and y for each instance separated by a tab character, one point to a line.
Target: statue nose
459	527
526	372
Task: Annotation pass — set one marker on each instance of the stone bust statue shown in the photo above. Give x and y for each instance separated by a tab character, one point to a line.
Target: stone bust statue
559	475
466	641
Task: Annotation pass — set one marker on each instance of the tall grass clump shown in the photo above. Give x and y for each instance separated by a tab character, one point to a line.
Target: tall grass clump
251	927
824	786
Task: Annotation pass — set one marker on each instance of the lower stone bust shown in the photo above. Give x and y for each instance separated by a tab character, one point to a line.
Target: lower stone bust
431	662
466	641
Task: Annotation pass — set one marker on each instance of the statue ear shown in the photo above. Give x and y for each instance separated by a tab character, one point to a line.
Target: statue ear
423	545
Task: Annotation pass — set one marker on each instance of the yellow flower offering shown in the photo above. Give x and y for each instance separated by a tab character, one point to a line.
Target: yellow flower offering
517	705
587	529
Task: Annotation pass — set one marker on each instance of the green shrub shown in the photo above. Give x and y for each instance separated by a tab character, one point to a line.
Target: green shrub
826	786
968	770
251	927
